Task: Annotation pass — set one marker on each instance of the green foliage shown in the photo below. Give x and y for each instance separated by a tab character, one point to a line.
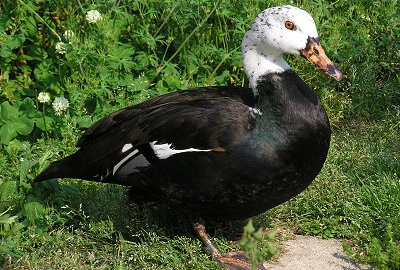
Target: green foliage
385	249
140	49
256	246
19	120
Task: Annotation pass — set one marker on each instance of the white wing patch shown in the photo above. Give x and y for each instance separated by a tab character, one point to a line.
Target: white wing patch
126	147
165	150
116	167
133	165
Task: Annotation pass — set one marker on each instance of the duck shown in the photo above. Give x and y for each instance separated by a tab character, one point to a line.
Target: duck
220	153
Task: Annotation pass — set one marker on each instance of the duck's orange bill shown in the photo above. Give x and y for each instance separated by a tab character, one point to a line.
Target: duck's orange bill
314	53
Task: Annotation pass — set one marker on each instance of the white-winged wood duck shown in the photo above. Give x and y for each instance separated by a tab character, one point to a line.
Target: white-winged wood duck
220	153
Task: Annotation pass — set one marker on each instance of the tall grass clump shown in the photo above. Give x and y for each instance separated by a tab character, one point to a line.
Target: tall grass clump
65	64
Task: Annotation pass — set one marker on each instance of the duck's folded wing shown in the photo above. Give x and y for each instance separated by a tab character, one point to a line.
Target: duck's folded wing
162	103
156	129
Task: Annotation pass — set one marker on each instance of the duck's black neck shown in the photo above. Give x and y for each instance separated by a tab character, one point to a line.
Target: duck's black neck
286	89
287	103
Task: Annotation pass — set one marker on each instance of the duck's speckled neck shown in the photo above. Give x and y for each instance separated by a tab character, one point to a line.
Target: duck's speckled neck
259	59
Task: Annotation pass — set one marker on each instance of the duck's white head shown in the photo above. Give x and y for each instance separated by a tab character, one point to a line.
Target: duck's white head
279	30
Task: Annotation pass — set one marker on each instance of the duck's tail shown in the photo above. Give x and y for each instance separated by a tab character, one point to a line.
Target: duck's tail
71	167
63	168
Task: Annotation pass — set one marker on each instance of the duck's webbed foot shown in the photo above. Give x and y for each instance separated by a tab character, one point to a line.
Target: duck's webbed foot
229	261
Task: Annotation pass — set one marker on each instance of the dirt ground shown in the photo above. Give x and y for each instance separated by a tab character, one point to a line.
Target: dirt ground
309	253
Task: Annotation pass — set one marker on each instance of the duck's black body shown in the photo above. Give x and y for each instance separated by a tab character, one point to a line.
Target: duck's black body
252	160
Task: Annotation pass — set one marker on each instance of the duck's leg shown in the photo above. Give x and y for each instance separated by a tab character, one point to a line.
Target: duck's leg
229	261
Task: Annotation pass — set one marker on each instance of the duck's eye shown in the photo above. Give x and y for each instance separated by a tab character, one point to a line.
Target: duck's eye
289	25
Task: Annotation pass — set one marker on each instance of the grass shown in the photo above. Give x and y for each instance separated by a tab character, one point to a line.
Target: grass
139	50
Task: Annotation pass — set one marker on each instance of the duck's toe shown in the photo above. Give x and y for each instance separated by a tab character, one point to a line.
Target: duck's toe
235	261
228	261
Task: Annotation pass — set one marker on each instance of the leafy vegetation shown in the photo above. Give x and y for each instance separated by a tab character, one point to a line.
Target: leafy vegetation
132	50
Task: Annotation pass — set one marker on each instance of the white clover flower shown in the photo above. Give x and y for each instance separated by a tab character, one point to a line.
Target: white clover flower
60	104
43	97
69	34
61	47
93	16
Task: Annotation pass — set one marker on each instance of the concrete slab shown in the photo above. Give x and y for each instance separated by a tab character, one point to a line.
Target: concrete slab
313	253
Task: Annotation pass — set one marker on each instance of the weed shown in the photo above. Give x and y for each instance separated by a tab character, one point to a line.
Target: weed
251	241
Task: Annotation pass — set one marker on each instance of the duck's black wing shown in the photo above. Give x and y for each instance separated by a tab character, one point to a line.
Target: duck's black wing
202	119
